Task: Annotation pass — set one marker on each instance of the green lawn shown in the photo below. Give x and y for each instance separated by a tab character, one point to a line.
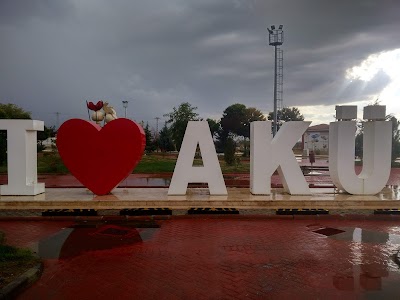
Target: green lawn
150	163
155	164
14	262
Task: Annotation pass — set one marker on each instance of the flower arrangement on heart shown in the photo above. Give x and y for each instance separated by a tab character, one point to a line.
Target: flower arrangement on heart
98	115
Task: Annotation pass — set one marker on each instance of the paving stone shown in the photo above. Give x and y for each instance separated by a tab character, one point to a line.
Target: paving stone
215	258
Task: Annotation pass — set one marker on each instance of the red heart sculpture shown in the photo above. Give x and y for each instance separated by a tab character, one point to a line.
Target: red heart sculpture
100	158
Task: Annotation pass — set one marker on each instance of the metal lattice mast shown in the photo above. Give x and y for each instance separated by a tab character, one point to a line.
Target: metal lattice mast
279	79
276	40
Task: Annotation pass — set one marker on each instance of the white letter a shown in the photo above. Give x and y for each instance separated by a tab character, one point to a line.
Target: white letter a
197	133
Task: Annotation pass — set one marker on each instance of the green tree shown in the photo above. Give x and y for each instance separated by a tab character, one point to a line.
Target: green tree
48	132
179	119
150	145
287	114
236	121
359	144
395	138
233	120
9	111
252	114
229	151
165	141
12	111
3	146
214	127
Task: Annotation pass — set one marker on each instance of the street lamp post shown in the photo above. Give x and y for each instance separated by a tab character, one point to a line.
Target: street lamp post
157	118
125	105
276	40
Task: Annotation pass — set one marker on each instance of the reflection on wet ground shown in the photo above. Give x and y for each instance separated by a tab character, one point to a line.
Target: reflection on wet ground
375	275
147	181
77	239
394	191
319	175
213	258
231	180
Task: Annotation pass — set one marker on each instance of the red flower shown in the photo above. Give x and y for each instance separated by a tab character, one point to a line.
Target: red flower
95	107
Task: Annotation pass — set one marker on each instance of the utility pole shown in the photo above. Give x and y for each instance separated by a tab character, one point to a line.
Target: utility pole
57	119
125	105
157	118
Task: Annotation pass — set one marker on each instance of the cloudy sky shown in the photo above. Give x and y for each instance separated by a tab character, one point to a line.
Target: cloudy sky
156	54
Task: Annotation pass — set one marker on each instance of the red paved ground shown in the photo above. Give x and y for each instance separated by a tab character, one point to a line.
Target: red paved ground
215	258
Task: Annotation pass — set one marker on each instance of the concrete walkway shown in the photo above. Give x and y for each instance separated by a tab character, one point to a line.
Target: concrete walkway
237	198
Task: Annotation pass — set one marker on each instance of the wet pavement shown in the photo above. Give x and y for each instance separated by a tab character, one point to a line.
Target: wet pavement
317	178
237	198
314	179
219	257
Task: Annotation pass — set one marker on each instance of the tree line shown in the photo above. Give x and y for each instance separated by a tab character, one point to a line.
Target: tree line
233	128
12	111
228	132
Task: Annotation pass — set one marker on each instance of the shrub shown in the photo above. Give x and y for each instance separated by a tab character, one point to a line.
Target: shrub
229	152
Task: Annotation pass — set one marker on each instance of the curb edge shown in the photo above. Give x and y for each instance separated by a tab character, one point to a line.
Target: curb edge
22	282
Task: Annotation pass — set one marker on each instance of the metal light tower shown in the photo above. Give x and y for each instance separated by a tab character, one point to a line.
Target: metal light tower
276	40
157	118
125	105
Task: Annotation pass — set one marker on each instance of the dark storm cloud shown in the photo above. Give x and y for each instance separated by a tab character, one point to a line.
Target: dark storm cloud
15	11
54	55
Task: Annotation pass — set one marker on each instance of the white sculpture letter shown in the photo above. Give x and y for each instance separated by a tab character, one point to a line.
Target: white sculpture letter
377	147
22	157
197	133
269	154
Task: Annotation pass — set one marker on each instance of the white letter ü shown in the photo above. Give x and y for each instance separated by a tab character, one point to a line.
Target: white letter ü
377	147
